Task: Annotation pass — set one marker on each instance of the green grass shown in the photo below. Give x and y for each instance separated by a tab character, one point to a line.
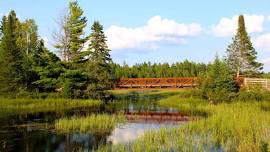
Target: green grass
21	106
187	106
238	126
91	123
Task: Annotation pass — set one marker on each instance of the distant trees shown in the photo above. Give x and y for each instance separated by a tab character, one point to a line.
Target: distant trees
241	55
146	70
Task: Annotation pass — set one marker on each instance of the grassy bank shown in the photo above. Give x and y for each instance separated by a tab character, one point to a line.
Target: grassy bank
20	106
91	123
238	126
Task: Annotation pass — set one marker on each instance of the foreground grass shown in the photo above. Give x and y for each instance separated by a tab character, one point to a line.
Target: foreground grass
239	126
91	123
20	106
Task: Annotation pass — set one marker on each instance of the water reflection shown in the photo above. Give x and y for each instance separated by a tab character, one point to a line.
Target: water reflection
131	131
20	133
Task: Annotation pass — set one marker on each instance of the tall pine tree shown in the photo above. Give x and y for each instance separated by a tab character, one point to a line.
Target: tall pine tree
76	24
69	39
99	65
241	55
12	72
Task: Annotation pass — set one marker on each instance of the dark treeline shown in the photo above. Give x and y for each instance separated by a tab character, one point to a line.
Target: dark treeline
149	70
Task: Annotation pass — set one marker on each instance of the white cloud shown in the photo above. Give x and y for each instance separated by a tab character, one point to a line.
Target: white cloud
266	63
156	31
263	41
228	26
46	41
269	18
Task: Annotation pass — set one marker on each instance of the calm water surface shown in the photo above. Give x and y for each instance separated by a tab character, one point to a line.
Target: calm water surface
34	132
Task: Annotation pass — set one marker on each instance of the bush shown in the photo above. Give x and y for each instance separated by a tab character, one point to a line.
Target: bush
253	94
219	84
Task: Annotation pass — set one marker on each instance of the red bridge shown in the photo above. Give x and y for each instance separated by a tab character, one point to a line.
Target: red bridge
157	82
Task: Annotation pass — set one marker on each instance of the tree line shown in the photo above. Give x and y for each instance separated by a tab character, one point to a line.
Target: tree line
149	70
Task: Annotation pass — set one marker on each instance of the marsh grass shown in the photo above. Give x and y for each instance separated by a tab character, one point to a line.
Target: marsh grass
238	126
91	123
21	106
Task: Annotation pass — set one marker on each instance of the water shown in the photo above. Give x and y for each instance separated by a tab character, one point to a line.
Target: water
34	132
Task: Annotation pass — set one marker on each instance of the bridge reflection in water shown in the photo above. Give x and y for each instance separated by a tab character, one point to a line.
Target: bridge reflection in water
156	82
159	117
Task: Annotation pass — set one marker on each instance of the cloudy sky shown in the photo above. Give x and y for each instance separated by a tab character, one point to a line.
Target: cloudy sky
160	30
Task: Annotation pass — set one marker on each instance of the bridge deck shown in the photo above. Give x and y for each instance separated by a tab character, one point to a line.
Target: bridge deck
157	82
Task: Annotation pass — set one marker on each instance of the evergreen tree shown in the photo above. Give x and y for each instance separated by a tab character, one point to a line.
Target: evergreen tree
12	72
99	65
47	69
241	55
219	83
76	24
69	38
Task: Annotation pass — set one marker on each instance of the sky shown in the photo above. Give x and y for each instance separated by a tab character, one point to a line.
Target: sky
158	30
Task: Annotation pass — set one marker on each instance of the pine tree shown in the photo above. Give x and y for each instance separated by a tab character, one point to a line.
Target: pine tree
219	83
12	72
99	64
69	39
47	69
76	24
241	55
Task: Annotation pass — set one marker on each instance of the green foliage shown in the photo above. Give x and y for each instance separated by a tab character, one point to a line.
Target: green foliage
253	94
74	83
219	85
98	65
76	24
12	58
47	68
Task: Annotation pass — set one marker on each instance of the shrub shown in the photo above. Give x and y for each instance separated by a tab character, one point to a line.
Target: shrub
253	94
219	84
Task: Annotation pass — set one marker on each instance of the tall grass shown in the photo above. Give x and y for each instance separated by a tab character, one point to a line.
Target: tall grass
91	123
20	106
239	126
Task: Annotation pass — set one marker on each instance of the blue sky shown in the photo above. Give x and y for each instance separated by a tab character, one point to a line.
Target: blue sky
159	30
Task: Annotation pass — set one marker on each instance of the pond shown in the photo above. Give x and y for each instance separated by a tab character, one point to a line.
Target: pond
34	132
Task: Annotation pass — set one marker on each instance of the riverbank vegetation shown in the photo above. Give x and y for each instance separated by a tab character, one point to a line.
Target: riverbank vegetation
92	123
23	106
237	126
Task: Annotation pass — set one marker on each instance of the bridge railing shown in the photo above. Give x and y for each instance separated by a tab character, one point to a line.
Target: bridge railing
259	82
157	82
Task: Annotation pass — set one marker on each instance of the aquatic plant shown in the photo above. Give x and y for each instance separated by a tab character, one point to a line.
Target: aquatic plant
91	123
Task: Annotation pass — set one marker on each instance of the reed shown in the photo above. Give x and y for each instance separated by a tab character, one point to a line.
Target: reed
20	106
91	123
